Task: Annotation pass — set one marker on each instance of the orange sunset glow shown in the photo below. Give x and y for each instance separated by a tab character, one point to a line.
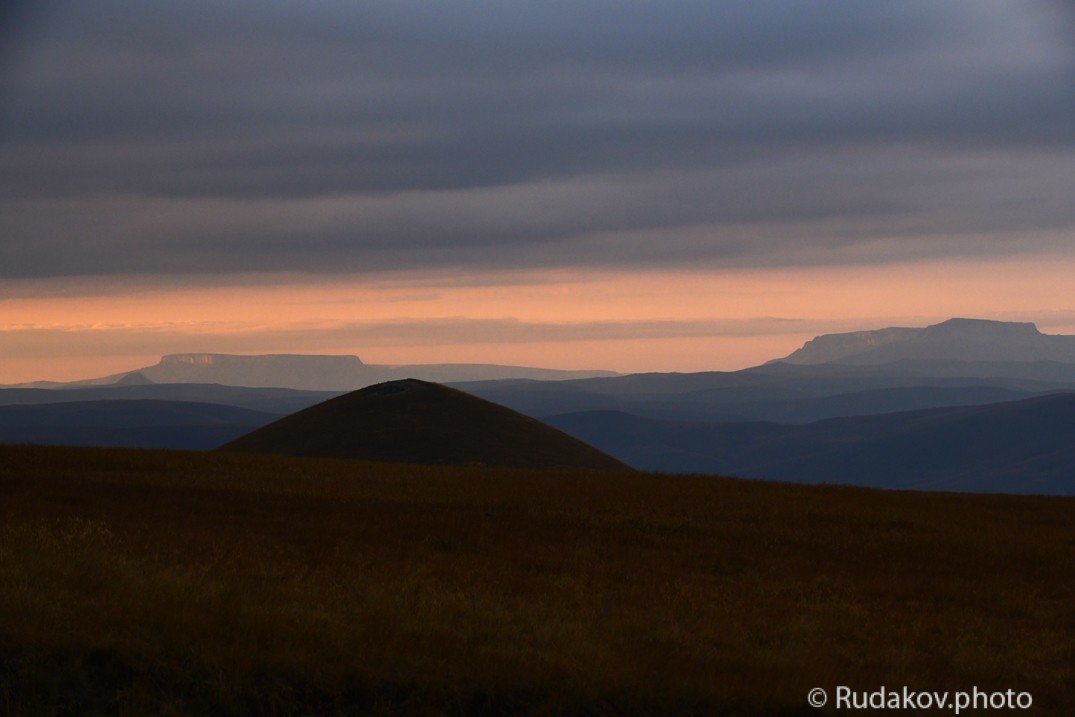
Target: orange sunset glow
663	321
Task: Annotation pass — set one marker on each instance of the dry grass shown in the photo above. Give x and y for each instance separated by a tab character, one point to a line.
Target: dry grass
179	583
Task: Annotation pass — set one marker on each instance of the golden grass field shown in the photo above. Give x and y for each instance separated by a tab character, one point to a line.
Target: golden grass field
136	582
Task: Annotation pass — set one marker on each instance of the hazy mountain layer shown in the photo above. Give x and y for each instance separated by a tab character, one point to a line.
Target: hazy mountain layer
1023	446
269	400
782	393
129	424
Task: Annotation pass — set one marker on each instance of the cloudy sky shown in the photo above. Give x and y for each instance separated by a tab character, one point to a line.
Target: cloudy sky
628	185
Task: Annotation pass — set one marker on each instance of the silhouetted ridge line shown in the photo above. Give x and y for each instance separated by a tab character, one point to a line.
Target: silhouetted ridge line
1025	446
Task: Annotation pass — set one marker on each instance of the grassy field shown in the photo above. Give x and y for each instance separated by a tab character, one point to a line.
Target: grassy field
180	583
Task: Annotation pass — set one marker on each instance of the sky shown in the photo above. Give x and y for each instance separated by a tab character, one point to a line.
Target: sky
590	184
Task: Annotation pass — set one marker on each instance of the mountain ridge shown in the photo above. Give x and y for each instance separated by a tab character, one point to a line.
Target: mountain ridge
138	423
957	339
1023	446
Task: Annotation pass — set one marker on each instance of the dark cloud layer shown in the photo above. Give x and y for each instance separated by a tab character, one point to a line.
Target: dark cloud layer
200	137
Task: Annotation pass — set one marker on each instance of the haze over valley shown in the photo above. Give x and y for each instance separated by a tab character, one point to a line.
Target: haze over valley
969	405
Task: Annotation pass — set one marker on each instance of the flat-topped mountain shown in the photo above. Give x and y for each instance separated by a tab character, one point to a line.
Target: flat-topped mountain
291	370
309	372
412	421
953	340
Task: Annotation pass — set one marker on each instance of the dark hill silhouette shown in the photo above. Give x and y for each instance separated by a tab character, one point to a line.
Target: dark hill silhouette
412	421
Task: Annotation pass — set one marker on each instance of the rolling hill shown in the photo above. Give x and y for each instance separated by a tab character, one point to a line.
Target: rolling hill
129	424
412	421
1025	446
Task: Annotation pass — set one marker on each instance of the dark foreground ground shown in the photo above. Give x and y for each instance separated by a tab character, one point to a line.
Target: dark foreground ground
182	583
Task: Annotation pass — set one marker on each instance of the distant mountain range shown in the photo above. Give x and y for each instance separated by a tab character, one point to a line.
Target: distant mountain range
778	392
957	362
413	421
1023	446
129	424
962	340
307	372
278	401
888	408
757	395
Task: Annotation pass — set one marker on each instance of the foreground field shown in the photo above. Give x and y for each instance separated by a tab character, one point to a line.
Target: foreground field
182	583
